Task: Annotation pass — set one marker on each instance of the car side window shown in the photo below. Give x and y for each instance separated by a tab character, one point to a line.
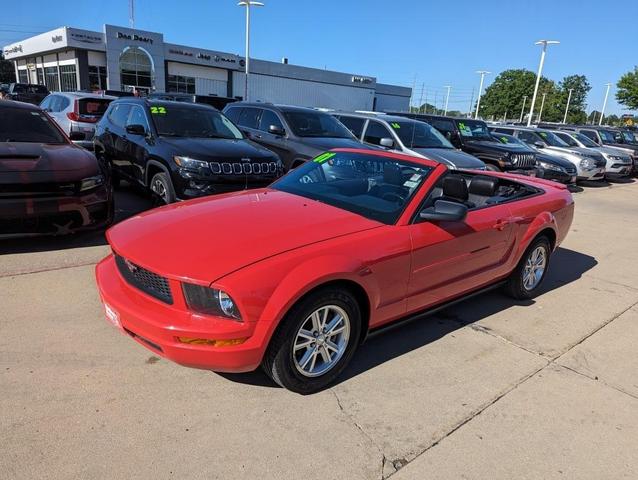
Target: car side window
269	118
233	114
46	103
249	118
64	103
119	115
507	131
137	117
375	132
354	124
589	134
528	137
55	104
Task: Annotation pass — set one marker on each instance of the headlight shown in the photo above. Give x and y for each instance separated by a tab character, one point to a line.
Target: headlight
89	183
549	166
588	163
618	158
189	163
210	301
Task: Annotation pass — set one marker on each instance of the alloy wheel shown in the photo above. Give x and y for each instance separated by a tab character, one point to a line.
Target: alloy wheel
534	268
159	188
321	341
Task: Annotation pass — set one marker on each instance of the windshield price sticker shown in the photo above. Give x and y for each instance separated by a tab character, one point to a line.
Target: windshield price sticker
542	134
395	125
158	110
324	156
465	130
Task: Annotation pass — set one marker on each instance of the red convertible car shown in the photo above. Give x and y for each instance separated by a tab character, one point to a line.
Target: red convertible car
294	276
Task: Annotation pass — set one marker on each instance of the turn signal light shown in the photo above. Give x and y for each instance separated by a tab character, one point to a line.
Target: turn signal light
212	343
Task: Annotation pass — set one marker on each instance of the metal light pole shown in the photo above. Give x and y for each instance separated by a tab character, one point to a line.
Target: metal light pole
602	112
540	114
569	97
447	99
478	102
248	4
522	108
544	43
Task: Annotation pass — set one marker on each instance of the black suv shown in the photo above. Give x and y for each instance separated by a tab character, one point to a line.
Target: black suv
473	137
26	92
180	150
296	134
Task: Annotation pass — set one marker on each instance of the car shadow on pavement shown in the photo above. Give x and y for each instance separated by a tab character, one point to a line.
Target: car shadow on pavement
566	266
128	202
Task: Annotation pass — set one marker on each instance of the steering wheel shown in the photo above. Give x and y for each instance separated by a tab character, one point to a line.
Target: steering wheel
393	197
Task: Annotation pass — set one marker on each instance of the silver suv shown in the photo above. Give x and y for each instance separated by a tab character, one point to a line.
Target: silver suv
590	165
407	136
77	113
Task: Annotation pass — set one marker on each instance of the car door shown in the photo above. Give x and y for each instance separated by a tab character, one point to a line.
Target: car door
135	146
376	131
249	123
451	258
277	143
117	133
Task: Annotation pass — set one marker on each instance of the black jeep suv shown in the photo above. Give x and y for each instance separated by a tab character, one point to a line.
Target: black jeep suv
180	150
296	134
473	137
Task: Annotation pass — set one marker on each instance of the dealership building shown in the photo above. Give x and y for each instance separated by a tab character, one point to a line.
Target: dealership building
123	59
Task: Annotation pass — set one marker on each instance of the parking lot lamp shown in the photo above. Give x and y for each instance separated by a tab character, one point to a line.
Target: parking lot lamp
447	99
540	113
478	102
522	108
248	4
569	97
602	112
544	43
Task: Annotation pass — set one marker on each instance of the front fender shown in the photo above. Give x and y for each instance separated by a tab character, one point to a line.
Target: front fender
542	221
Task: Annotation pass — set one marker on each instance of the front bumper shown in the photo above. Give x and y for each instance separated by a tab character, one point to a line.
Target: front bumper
593	174
189	184
619	171
157	326
555	175
51	215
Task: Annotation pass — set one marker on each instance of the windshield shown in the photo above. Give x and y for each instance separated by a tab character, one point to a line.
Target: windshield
375	187
551	139
419	135
628	136
509	139
31	126
568	139
180	121
607	136
316	124
588	142
473	128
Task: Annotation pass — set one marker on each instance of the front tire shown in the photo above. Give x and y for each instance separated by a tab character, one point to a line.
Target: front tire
526	279
315	341
162	188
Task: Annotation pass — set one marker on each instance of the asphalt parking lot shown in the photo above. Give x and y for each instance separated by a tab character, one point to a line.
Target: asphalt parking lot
487	389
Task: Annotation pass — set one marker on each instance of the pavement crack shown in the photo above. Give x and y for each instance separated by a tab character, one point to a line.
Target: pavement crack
488	331
384	459
597	379
52	269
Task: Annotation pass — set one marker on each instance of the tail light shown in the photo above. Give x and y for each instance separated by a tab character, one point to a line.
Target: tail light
77	117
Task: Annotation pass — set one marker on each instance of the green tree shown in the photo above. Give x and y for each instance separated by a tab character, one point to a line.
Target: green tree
593	117
580	88
7	72
612	120
627	90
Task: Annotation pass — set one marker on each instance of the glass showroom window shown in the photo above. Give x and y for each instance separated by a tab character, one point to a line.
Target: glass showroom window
68	78
40	76
136	68
22	76
97	77
180	84
51	79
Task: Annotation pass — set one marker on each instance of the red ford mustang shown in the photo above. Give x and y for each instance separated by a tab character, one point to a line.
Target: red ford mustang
294	276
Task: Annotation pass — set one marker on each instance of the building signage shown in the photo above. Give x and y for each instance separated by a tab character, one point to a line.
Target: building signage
135	37
177	51
358	79
85	38
14	49
56	38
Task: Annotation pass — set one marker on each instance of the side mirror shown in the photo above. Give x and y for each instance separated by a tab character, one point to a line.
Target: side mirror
444	211
275	130
539	144
136	129
75	136
386	142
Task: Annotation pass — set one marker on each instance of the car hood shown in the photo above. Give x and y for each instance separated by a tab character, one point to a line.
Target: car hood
205	239
328	143
497	146
624	152
451	157
36	163
554	160
217	148
572	151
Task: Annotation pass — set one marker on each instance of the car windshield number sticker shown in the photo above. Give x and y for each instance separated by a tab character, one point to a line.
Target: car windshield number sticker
395	125
465	130
158	110
324	156
542	134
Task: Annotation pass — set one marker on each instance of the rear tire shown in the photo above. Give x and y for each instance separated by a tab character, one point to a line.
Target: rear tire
527	278
315	341
162	188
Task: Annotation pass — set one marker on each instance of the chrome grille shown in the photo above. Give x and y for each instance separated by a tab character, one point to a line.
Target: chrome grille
150	283
244	168
523	160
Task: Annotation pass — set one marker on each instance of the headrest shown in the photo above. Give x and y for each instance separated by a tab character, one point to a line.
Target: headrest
483	185
454	186
392	174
